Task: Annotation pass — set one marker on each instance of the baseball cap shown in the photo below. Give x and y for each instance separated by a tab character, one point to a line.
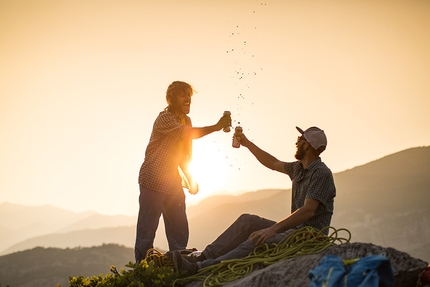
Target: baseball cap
315	136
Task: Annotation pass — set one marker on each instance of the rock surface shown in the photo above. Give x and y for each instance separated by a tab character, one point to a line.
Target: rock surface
294	272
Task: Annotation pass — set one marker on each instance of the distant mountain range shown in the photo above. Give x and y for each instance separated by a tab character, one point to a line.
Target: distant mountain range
384	202
25	227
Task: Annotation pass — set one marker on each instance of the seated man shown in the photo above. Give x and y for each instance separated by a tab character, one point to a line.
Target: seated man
313	193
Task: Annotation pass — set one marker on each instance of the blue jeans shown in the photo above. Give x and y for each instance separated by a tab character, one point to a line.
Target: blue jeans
151	205
233	243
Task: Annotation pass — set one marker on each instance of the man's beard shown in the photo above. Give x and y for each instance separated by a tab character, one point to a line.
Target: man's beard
299	154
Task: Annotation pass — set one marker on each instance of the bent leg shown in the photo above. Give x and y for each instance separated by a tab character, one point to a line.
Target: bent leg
236	234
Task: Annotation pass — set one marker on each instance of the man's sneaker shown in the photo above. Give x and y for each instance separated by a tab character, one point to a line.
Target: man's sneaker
182	264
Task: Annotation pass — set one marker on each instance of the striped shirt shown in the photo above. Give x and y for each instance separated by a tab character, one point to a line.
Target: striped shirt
164	153
314	182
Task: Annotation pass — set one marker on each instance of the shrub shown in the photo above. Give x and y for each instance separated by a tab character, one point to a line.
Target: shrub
143	274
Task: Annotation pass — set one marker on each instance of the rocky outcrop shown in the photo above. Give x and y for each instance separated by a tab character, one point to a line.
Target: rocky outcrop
294	272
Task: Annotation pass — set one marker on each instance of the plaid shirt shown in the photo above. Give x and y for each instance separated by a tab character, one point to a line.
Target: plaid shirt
164	153
315	182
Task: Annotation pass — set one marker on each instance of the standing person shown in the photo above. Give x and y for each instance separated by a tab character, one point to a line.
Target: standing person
165	171
312	204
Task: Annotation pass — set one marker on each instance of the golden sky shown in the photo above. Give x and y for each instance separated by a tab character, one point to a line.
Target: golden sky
81	83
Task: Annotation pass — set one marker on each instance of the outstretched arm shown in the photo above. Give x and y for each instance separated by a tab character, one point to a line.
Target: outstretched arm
263	157
195	133
297	217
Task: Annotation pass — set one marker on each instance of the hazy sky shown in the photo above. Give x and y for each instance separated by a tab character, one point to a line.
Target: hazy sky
81	83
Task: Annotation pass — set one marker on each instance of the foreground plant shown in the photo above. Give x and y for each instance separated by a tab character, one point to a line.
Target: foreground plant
143	274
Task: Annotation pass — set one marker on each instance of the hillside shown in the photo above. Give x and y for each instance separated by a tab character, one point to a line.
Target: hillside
392	183
386	201
47	267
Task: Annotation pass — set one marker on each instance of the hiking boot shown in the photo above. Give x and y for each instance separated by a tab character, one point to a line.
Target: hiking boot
169	254
182	264
191	259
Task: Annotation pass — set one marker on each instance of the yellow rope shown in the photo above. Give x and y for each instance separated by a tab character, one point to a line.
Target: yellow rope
160	260
306	240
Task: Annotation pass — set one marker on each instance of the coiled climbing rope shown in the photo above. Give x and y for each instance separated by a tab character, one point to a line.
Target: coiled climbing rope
303	241
159	259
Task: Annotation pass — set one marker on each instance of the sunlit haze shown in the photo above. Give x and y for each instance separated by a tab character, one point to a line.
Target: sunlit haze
81	83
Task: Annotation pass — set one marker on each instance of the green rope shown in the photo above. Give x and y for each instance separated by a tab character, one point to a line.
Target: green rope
306	240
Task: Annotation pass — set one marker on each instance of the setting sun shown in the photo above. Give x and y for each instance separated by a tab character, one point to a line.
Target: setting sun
209	167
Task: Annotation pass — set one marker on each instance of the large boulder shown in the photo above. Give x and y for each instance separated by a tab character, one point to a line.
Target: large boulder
294	272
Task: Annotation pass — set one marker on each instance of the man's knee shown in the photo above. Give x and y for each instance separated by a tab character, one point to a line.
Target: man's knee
248	218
